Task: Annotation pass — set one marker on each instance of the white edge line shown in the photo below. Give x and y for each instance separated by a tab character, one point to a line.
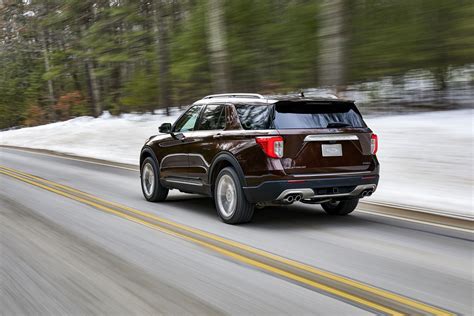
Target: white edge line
416	221
70	158
359	210
420	210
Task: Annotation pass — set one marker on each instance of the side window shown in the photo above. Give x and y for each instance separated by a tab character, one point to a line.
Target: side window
212	118
187	122
254	117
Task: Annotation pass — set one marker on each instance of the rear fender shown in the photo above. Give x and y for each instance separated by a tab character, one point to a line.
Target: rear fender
228	158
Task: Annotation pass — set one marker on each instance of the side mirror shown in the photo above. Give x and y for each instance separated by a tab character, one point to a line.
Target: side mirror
165	128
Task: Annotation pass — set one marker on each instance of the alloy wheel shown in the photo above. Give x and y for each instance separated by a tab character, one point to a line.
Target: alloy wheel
148	179
226	195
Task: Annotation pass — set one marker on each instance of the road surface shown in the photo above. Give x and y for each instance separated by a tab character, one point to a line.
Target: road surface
77	237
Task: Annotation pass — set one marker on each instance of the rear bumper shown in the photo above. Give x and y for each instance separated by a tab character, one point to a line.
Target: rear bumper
312	188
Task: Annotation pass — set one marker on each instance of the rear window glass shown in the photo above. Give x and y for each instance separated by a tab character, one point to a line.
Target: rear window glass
212	117
254	117
316	115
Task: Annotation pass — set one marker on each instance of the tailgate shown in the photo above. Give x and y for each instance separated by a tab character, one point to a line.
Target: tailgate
322	137
311	152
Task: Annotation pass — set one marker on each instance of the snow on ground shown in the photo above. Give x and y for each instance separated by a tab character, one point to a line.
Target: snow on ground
426	159
108	137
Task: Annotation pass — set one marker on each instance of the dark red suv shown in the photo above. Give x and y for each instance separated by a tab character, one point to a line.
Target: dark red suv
246	151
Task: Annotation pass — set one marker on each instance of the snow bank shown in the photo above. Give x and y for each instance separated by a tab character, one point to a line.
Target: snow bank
107	137
426	159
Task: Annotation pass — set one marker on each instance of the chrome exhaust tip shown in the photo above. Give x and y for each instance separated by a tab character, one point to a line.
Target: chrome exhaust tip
298	198
289	199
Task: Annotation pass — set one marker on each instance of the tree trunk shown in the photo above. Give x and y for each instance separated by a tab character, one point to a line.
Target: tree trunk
333	39
440	74
91	78
75	78
51	98
89	63
161	39
93	86
217	46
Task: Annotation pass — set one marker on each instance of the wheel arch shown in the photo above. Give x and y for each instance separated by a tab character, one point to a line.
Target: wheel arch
145	153
223	160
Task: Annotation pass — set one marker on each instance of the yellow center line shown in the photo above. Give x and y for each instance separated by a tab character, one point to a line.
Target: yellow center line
228	253
111	164
367	288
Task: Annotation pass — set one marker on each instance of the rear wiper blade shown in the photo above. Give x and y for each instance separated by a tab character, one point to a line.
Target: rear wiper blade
338	124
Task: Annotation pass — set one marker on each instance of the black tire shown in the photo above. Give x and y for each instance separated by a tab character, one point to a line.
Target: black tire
242	212
340	208
157	193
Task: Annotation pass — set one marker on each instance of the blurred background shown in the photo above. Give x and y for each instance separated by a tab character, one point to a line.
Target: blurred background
66	58
116	69
95	79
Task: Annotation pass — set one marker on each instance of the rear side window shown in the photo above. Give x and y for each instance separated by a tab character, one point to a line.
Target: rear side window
254	117
316	115
212	118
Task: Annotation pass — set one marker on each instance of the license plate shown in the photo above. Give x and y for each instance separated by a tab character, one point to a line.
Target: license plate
333	150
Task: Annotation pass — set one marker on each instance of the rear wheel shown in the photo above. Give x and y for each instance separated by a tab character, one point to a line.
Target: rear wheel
231	204
152	189
340	208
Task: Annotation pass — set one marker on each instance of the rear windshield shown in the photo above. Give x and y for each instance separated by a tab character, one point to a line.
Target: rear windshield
302	115
316	115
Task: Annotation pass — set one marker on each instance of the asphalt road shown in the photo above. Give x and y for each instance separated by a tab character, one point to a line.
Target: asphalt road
63	256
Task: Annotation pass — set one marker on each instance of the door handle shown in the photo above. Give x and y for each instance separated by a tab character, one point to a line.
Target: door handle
218	135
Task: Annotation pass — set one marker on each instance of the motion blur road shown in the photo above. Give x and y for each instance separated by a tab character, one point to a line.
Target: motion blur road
61	255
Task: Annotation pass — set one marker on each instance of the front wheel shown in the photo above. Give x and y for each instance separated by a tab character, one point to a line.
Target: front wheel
151	186
231	204
340	208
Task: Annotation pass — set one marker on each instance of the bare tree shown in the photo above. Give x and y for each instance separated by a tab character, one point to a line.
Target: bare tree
89	62
333	42
161	38
92	82
217	46
44	43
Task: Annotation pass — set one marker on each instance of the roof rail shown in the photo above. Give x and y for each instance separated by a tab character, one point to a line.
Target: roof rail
235	95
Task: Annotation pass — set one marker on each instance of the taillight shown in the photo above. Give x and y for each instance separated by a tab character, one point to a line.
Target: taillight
271	145
374	144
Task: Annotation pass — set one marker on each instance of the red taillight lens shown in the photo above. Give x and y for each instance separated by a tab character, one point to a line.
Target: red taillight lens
374	144
271	145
